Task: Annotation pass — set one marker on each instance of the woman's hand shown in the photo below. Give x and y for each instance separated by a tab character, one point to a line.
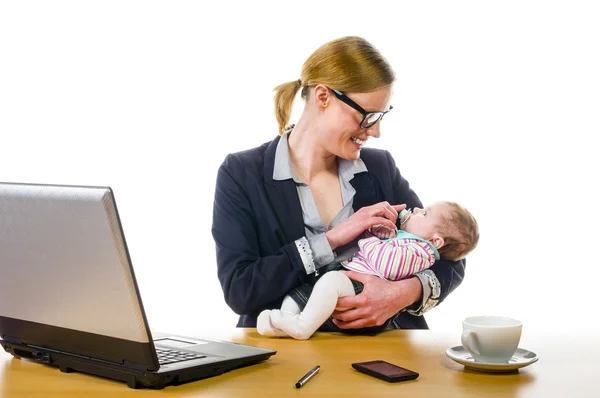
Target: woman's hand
379	301
380	213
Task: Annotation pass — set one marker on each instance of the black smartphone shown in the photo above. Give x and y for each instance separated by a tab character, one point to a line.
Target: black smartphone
385	371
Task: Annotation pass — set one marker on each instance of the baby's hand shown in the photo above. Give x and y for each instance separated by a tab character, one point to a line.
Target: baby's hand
383	232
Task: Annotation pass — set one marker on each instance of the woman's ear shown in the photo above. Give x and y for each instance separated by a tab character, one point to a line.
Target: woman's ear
437	241
321	96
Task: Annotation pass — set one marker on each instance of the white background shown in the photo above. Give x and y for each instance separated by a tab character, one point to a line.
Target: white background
496	107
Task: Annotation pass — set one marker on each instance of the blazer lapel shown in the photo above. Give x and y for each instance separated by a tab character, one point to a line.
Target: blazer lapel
365	191
285	201
283	197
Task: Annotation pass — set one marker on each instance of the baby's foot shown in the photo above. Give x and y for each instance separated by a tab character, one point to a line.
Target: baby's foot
291	324
265	327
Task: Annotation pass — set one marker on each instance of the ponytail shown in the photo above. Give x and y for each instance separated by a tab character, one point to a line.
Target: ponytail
284	99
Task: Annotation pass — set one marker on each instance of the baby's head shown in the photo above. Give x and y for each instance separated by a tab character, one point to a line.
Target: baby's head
448	226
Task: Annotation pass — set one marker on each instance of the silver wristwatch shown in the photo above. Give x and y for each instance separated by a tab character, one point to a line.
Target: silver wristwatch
431	291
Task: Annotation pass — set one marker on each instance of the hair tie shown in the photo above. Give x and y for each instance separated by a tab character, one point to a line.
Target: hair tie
300	82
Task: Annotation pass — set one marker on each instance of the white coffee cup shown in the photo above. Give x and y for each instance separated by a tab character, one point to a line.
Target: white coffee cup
491	339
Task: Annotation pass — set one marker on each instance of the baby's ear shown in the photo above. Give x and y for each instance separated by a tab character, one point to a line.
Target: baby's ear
438	241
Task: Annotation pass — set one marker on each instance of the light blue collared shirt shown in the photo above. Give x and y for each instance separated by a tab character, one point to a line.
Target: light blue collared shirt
314	248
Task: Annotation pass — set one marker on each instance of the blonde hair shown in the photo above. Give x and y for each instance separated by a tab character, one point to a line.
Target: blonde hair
349	64
460	232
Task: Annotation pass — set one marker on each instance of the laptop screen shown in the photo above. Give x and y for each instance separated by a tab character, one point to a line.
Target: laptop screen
64	264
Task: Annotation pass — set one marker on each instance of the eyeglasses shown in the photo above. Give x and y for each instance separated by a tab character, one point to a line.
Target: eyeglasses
369	118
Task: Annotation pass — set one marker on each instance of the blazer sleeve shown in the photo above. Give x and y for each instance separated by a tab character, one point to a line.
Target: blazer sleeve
250	280
449	273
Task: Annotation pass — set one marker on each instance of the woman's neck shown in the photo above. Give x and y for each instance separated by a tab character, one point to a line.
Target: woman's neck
307	156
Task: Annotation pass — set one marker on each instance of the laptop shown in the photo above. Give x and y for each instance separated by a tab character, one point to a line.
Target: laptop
69	298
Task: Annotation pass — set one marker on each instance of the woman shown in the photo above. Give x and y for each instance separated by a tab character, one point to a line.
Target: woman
293	208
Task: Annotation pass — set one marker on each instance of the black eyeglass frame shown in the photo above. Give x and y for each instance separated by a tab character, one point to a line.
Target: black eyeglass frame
345	99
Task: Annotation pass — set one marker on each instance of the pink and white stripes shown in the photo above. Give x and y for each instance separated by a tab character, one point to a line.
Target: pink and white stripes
393	260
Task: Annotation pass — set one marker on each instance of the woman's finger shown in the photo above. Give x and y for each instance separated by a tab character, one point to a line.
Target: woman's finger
399	208
391	213
382	210
357	276
384	221
346	302
348	316
356	324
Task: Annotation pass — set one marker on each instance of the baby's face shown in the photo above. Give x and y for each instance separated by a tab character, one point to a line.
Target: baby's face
422	222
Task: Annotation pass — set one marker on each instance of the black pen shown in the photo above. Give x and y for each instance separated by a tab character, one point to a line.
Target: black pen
307	376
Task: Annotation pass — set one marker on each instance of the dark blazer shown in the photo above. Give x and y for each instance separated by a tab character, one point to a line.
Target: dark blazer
256	221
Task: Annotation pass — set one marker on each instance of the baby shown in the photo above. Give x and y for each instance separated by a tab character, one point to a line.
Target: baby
444	230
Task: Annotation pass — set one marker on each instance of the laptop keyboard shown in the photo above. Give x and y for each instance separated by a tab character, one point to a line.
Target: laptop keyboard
166	356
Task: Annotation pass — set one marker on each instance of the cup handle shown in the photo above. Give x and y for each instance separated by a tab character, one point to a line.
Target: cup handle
468	342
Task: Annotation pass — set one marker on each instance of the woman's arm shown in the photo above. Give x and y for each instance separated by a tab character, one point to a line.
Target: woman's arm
418	294
250	280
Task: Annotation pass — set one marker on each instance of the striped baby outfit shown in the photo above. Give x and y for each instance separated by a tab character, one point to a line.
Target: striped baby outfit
392	259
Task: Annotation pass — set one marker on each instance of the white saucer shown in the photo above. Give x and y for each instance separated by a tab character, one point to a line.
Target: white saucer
520	359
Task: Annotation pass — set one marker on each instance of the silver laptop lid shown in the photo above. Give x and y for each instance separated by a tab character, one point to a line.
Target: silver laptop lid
64	262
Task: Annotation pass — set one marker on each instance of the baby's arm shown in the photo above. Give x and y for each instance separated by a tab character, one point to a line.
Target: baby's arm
396	259
379	231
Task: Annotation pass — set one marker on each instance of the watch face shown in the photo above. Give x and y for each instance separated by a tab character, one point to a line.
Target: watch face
434	285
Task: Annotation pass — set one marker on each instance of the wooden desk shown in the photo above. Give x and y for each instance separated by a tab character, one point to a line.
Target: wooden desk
567	367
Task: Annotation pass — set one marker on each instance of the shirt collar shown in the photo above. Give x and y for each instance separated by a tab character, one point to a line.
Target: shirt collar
283	168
